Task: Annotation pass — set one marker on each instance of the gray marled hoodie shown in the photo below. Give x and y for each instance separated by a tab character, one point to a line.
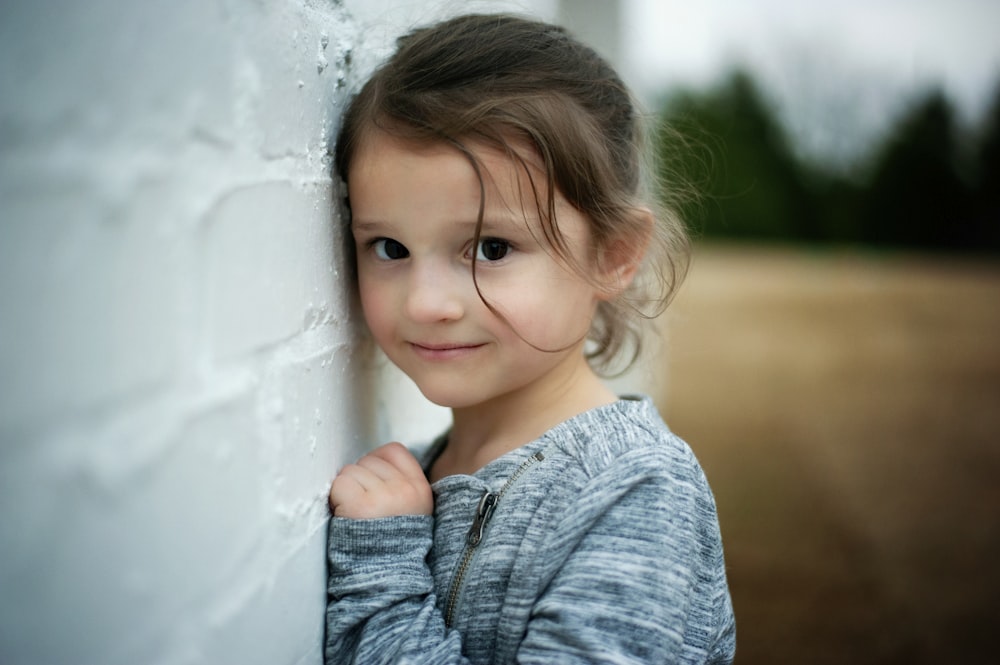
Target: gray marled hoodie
596	543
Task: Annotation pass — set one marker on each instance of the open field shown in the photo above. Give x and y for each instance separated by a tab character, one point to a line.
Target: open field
846	407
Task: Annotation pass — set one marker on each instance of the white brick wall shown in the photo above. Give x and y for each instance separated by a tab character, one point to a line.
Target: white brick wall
179	374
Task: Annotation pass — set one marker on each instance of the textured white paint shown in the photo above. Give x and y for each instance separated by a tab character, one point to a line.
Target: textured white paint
179	372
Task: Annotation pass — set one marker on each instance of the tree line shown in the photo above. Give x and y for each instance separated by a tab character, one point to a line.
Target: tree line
927	185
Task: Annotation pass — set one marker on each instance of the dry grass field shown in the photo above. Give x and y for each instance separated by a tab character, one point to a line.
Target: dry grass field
846	407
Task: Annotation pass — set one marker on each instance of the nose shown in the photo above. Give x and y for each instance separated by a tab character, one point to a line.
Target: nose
434	293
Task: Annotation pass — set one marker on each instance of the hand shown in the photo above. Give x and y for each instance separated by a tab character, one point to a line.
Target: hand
385	483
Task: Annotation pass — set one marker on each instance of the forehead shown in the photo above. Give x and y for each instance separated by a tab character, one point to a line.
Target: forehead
382	161
503	147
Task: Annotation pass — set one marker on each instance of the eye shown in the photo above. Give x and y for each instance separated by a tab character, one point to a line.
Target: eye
388	249
492	249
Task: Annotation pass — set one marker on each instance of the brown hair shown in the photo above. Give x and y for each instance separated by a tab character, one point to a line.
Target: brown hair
499	79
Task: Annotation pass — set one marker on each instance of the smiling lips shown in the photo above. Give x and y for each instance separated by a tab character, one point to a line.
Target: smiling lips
444	351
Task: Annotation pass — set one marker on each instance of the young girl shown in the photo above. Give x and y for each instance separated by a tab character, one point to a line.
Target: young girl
493	176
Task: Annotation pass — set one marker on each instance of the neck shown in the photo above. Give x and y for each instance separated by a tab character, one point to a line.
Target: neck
484	432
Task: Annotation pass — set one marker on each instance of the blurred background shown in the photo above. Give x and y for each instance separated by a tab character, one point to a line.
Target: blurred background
833	357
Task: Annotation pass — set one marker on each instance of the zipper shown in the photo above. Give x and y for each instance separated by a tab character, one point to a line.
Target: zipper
484	512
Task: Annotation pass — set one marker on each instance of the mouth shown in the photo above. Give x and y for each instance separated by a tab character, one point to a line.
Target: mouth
444	350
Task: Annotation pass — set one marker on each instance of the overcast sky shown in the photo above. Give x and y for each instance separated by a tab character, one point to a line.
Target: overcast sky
839	71
912	41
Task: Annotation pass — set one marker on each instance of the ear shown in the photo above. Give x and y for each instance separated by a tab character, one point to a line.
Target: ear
621	255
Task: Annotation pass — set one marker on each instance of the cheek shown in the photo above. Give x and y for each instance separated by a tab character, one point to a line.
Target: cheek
376	306
549	315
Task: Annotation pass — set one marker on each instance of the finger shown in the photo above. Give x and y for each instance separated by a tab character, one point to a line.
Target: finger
402	459
362	476
345	490
384	470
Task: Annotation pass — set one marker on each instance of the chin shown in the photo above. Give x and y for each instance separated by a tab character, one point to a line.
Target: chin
452	397
448	399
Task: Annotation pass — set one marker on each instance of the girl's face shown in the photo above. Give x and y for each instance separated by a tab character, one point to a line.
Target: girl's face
414	211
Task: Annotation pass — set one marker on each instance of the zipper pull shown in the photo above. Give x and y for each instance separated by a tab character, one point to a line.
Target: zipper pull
483	513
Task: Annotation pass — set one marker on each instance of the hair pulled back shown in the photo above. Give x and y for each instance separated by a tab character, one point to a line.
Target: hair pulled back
502	80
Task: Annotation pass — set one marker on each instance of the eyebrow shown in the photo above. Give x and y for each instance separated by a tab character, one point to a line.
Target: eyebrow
367	224
492	223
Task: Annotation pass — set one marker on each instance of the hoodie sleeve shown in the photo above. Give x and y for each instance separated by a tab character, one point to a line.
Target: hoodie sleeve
381	603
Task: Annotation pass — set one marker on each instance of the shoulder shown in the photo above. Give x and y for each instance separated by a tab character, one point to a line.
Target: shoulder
623	459
627	437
